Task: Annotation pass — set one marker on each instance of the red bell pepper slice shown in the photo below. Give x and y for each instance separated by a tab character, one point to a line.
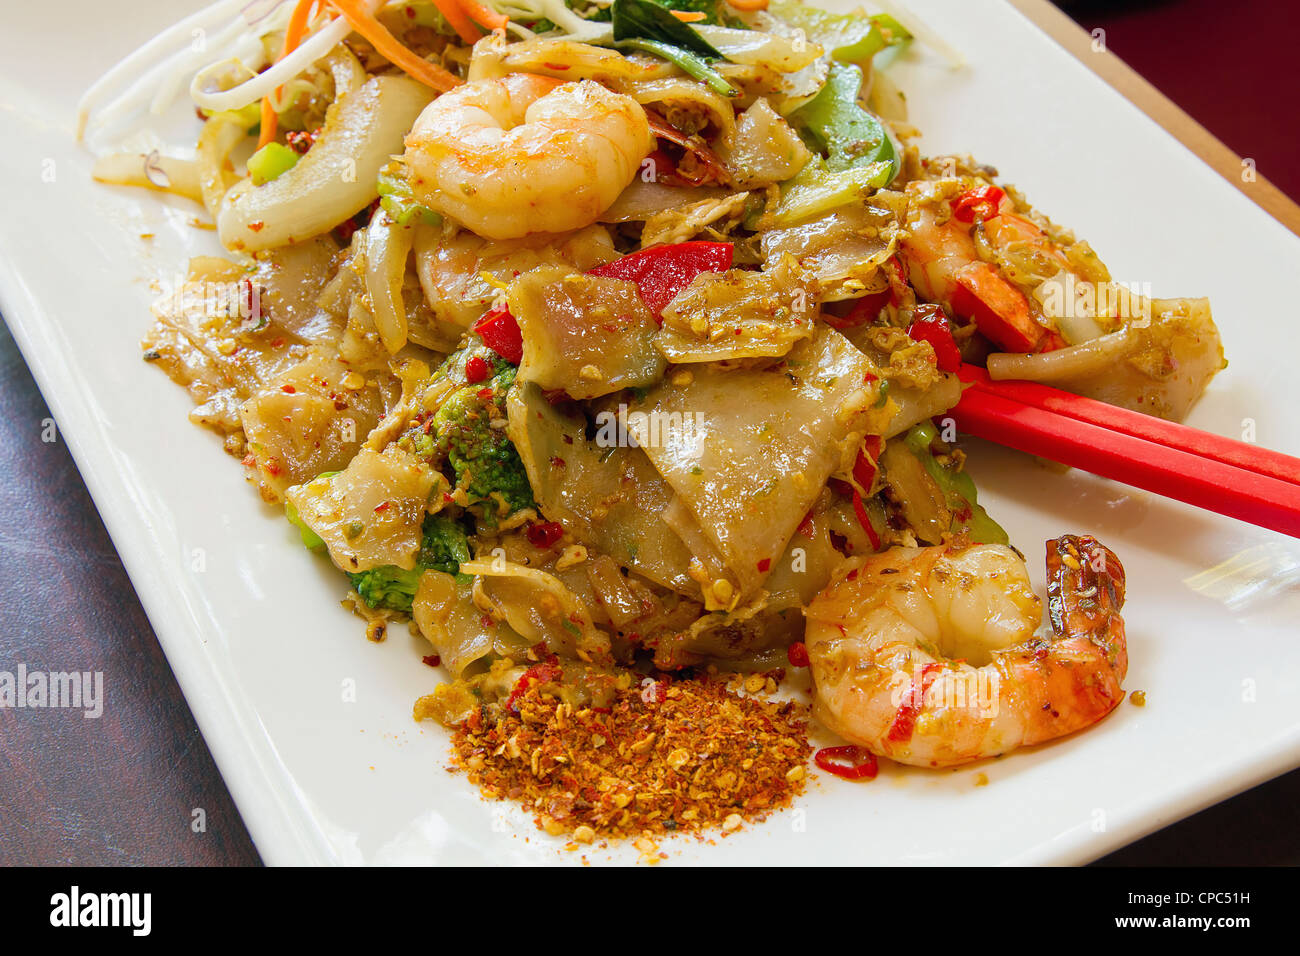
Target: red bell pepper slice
931	325
500	332
999	309
663	271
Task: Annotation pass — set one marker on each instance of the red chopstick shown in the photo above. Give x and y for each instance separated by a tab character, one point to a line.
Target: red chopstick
1218	474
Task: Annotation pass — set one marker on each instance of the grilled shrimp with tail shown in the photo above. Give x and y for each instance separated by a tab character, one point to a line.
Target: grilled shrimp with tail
929	656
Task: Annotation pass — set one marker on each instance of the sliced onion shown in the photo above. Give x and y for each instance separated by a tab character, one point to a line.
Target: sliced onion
641	200
388	246
221	134
164	173
760	48
336	179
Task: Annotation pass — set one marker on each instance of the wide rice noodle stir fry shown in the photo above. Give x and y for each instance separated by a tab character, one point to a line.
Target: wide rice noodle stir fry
601	340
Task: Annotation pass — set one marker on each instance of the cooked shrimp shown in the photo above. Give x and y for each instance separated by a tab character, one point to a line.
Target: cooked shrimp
526	154
943	266
929	655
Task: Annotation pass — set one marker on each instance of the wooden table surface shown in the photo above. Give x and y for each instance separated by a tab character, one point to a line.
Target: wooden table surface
123	789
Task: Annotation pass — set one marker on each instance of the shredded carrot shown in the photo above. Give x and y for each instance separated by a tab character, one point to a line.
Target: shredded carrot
483	15
749	4
389	47
688	16
293	35
456	15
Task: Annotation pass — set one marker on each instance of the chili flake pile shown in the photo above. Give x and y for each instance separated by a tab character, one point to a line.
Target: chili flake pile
666	757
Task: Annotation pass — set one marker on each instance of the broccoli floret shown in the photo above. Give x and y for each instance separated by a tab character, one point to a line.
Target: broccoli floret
444	547
459	436
388	587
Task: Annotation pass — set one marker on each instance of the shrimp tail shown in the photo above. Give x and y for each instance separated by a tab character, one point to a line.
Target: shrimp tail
1085	586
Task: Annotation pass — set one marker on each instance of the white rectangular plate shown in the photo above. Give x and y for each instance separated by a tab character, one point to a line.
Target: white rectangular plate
252	625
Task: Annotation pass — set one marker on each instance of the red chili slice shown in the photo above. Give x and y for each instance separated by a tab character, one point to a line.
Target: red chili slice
904	724
860	510
850	762
931	325
500	332
980	203
864	469
797	654
544	535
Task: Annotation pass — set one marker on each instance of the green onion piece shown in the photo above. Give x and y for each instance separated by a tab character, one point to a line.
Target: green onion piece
398	201
310	539
270	162
817	191
958	488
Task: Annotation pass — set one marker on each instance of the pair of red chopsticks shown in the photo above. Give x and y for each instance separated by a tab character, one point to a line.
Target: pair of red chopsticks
1230	477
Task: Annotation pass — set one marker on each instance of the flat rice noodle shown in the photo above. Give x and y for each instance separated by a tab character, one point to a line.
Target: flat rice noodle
913	406
642	200
804	570
608	497
305	422
848	245
1158	367
749	450
677	95
541	609
587	335
495	57
196	325
739	314
765	149
291	280
341	509
445	612
463	275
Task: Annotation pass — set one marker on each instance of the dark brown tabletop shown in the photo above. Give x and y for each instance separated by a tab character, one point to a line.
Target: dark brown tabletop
125	788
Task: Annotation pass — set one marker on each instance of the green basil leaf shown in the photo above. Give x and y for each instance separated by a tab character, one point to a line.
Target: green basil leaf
646	20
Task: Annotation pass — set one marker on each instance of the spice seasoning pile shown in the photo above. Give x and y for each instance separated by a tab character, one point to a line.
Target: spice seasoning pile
666	757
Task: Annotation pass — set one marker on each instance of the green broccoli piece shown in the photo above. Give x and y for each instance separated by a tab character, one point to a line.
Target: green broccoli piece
460	439
388	587
444	547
